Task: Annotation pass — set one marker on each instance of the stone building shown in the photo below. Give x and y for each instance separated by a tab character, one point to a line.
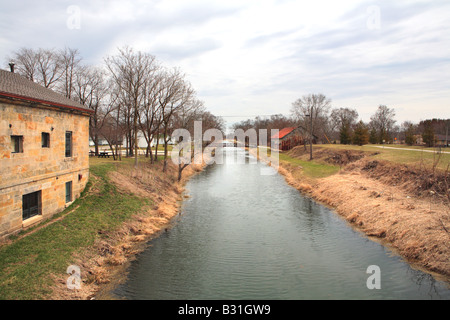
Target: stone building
44	152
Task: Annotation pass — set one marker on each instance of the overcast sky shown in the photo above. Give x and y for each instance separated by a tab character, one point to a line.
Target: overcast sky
256	57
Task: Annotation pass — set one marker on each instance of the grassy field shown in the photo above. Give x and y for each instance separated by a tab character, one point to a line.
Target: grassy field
420	157
320	169
27	263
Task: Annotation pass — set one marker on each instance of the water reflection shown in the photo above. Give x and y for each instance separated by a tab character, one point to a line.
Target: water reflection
243	235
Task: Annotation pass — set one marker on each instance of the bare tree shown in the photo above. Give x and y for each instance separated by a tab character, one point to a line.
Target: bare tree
70	60
130	70
112	132
276	121
25	60
383	121
175	94
310	111
185	119
49	67
89	89
343	119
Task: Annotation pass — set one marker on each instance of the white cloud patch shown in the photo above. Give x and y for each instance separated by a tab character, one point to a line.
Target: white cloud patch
258	56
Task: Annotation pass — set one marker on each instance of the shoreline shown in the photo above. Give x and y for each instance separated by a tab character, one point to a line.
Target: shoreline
104	265
386	214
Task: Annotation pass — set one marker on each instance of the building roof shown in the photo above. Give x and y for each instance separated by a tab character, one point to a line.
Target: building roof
14	86
283	132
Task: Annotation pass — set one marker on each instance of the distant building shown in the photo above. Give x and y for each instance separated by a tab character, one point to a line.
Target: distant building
442	140
289	138
44	152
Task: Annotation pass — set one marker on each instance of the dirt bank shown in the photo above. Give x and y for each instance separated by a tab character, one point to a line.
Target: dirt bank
405	208
106	261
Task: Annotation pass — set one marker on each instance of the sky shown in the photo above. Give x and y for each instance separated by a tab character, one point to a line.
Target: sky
256	57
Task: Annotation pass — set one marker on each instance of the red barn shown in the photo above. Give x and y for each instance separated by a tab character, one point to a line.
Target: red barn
288	138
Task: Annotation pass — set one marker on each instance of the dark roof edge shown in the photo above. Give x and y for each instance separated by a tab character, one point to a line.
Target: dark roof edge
24	98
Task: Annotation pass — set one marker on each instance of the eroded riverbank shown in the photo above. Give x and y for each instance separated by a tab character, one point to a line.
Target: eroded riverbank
416	227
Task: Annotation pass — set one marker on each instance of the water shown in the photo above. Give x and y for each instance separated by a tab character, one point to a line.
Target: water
243	235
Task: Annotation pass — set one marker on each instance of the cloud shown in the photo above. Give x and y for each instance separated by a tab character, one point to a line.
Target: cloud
183	50
259	56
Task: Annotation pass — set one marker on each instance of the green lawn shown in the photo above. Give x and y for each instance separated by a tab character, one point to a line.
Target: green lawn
312	169
27	263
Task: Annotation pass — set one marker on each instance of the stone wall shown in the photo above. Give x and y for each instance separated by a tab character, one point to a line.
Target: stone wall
39	169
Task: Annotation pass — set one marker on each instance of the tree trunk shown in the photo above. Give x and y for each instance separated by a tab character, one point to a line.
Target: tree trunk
96	144
157	146
136	145
112	150
311	136
165	151
151	155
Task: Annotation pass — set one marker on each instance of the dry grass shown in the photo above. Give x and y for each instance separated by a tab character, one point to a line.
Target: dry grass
405	223
383	202
423	179
108	258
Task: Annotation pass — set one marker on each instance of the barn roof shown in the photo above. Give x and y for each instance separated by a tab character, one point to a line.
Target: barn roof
14	86
283	132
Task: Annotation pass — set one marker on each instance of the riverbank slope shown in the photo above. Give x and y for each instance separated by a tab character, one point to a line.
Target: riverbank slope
404	206
107	260
121	209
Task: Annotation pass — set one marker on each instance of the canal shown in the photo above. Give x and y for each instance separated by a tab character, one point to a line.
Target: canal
243	235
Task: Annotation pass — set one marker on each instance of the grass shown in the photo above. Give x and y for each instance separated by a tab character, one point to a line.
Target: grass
320	169
312	169
161	147
409	157
28	262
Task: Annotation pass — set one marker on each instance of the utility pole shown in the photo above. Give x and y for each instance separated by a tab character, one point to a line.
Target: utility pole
446	134
136	147
310	134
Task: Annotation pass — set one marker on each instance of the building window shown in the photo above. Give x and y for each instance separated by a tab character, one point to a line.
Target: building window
17	144
30	205
45	140
69	191
68	143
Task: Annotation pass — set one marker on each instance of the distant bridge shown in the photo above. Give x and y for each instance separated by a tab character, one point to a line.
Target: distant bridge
227	143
